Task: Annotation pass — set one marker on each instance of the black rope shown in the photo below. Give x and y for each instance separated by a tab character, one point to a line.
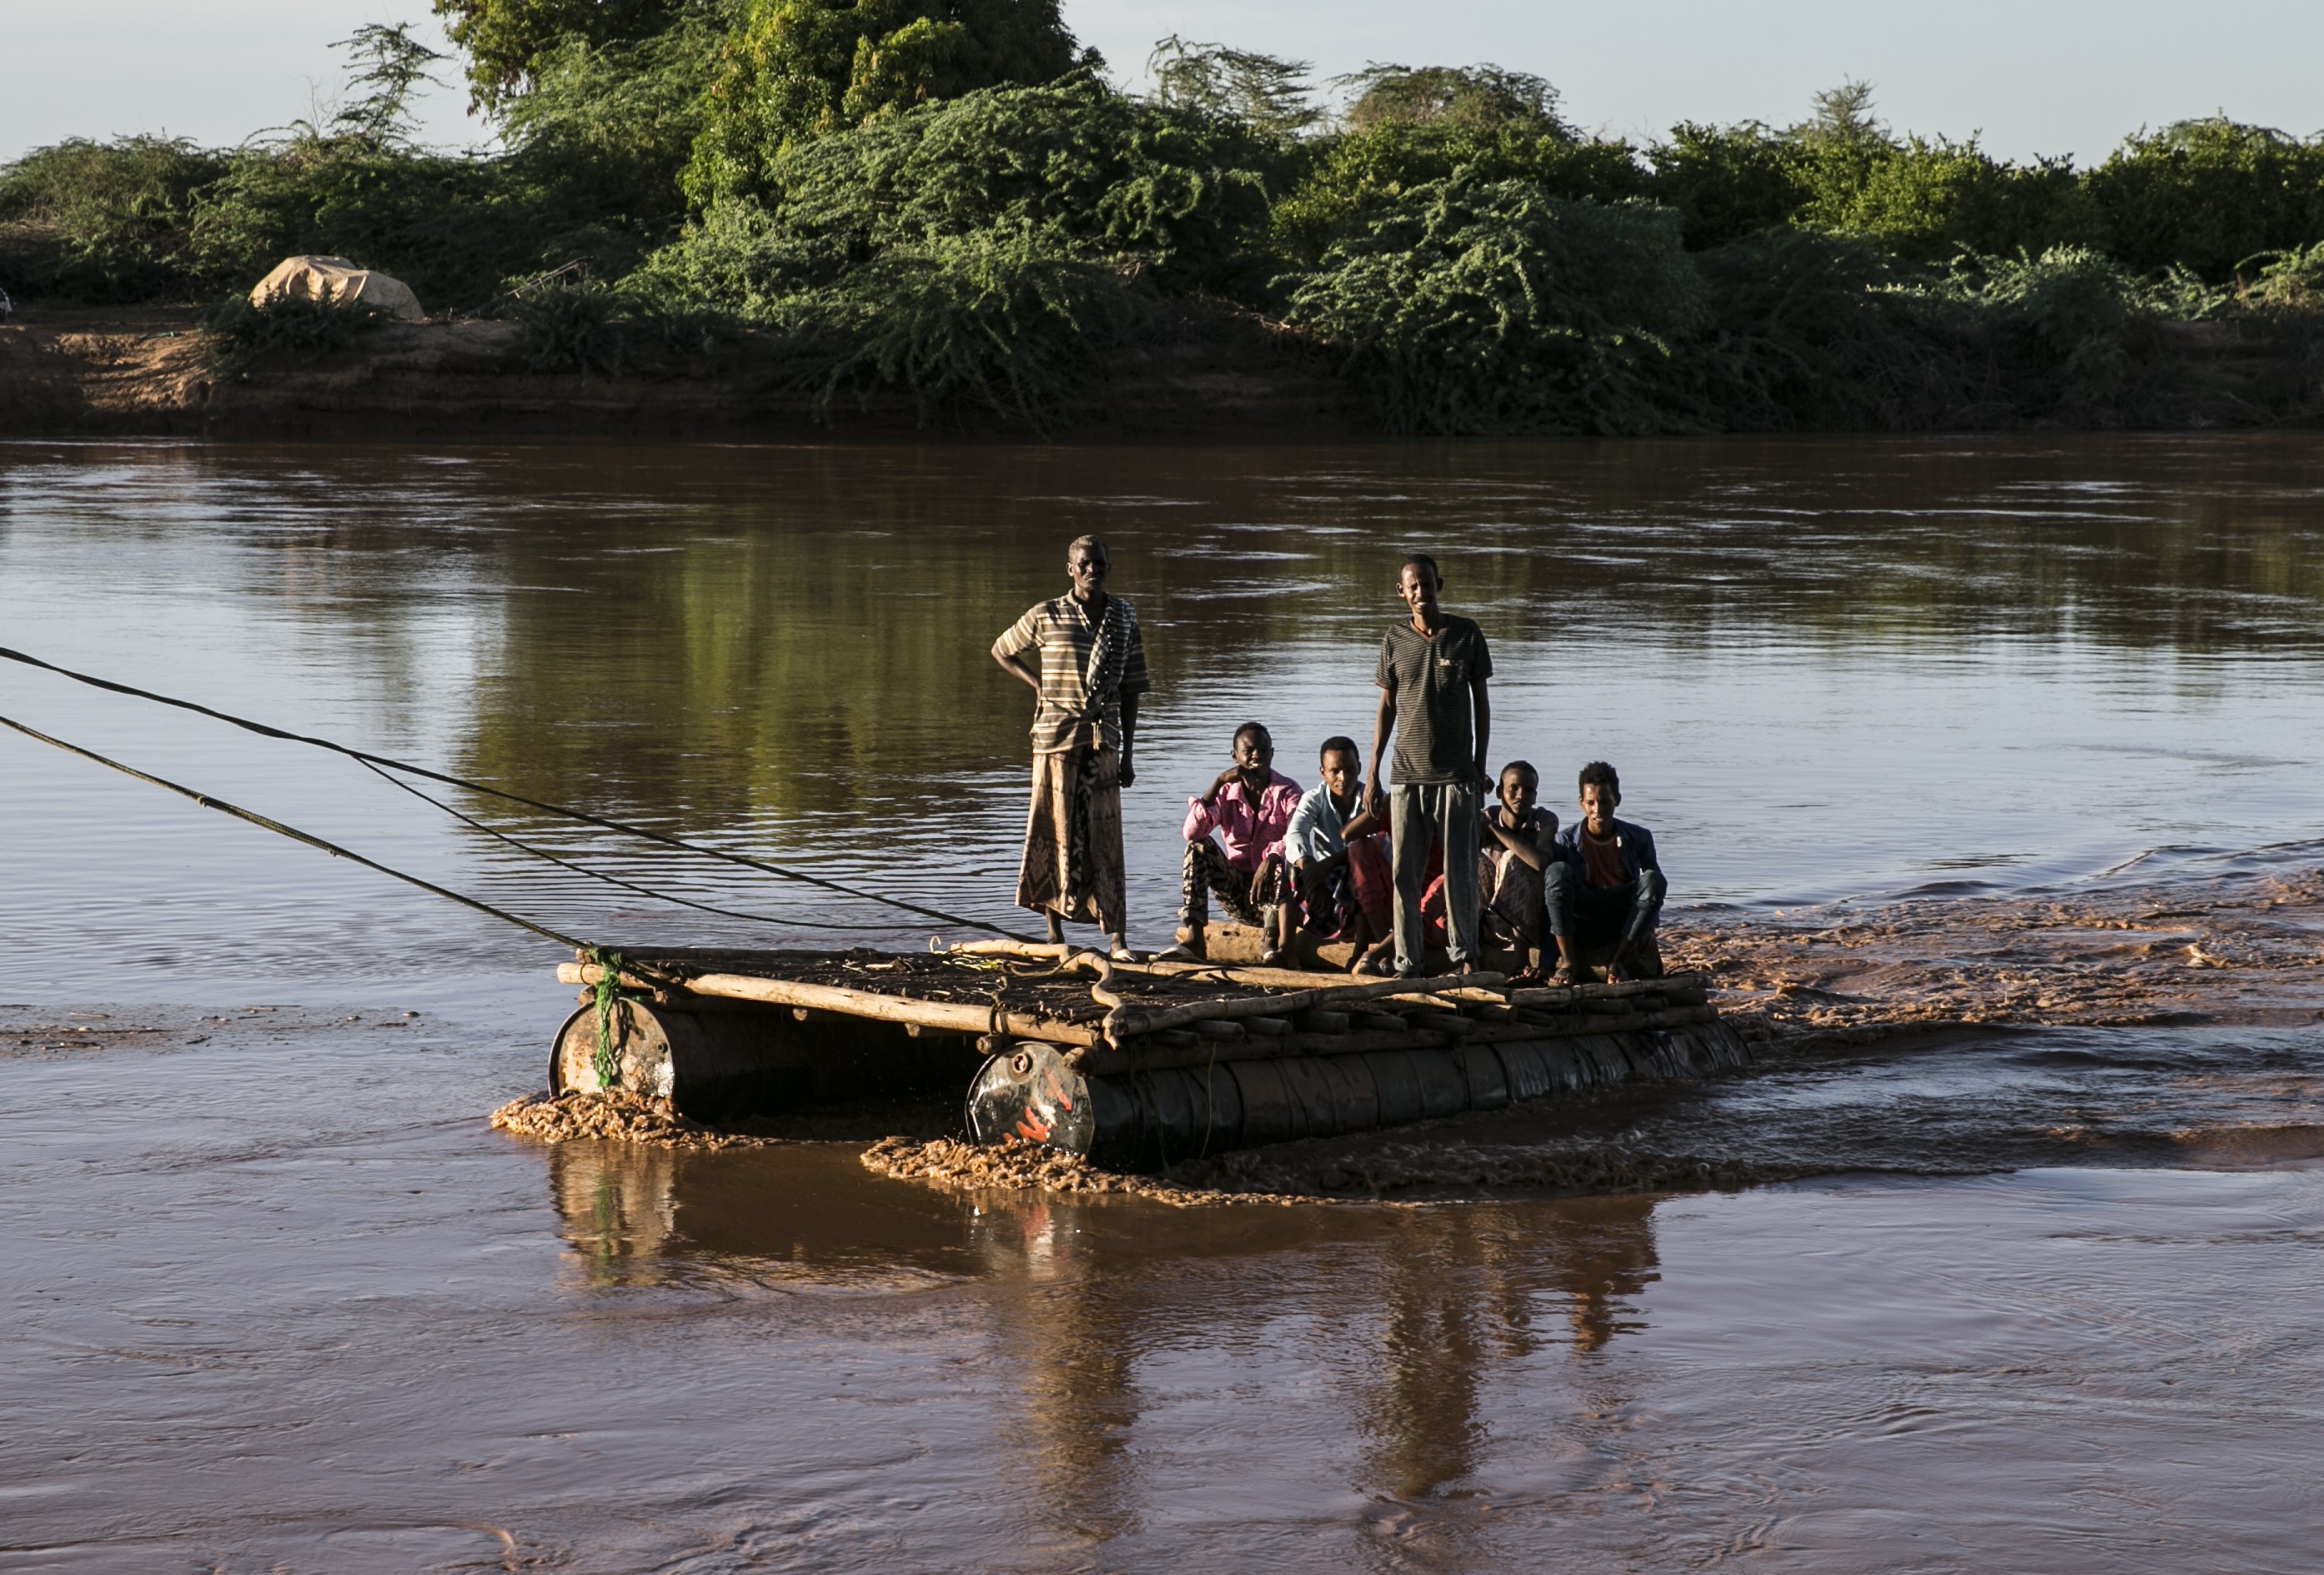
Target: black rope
582	815
659	896
295	834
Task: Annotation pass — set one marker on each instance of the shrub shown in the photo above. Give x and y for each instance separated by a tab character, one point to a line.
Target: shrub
1354	179
1821	331
1929	200
988	320
236	332
1475	306
1087	172
2206	195
795	70
103	221
1726	182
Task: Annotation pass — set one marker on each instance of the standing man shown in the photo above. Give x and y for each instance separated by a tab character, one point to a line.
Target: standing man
1088	673
1433	669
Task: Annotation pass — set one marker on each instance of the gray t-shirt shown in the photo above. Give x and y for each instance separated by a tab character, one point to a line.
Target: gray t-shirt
1430	680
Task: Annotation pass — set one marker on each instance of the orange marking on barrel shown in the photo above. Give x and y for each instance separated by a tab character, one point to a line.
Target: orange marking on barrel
1057	1087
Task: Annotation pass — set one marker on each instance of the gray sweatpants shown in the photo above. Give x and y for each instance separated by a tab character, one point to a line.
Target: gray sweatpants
1419	813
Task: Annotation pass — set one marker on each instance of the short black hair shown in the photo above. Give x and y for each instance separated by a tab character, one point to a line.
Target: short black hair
1524	769
1601	774
1418	560
1248	728
1341	742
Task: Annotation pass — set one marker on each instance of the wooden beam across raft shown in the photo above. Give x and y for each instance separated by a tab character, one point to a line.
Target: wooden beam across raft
944	1016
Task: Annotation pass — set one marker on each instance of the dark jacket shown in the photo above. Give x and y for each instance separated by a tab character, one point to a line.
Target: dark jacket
1636	843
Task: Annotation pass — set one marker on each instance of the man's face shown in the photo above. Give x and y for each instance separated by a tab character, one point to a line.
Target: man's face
1517	793
1088	565
1254	752
1598	804
1341	769
1418	586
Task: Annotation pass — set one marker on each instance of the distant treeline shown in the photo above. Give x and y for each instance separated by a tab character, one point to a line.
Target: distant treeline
947	196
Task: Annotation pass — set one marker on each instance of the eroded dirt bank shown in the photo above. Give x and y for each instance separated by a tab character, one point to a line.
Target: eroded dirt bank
1203	373
1820	993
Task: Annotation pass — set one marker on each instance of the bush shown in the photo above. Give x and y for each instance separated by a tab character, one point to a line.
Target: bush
1727	182
796	69
1356	177
990	320
1486	307
1085	171
1929	200
237	332
2206	195
103	222
1821	331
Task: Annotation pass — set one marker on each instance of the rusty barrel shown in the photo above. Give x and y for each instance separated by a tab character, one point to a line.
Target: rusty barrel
1144	1120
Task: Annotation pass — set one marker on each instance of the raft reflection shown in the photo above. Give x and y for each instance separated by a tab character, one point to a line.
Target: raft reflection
1423	1314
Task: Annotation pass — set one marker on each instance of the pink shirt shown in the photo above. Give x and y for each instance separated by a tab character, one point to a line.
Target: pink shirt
1249	832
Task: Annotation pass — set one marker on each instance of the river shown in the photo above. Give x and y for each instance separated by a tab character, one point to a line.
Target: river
2023	1297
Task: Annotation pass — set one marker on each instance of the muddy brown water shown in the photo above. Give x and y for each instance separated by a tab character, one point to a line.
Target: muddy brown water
1983	1297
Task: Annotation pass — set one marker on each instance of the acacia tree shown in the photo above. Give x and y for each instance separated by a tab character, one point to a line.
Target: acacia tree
795	70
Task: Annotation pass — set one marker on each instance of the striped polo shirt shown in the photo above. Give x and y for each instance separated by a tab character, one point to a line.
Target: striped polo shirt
1062	630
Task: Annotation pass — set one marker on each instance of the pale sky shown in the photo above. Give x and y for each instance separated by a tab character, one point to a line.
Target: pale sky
2034	76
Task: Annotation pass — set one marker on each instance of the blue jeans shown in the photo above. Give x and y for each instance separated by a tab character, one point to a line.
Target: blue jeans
1418	814
1590	917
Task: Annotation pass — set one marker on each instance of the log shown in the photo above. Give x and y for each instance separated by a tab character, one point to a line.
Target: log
1216	1028
1317	1020
1130	1022
1266	1027
946	1016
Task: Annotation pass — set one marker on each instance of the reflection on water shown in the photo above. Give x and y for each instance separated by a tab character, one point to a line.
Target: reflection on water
1463	1300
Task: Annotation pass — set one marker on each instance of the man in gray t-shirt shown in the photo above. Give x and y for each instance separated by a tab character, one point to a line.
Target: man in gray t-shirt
1433	669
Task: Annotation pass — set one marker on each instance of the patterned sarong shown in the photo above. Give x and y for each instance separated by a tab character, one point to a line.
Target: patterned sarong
1072	839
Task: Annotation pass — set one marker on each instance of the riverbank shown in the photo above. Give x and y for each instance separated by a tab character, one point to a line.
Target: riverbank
1202	372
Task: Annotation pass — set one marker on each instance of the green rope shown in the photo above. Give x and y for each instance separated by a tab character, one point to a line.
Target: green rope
607	1063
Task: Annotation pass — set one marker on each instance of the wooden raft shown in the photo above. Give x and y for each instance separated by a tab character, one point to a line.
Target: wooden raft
1113	1018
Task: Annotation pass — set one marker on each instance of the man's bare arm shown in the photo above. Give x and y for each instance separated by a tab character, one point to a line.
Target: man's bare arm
1021	668
1383	726
1529	855
1129	773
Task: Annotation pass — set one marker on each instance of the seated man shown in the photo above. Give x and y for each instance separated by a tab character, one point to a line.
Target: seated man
1605	889
1338	849
1519	843
1249	808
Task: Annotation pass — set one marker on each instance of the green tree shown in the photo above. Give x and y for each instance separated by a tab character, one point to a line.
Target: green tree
507	41
1266	93
794	69
1409	128
2209	195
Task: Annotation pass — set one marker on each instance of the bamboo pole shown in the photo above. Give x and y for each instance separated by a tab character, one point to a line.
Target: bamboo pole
944	1017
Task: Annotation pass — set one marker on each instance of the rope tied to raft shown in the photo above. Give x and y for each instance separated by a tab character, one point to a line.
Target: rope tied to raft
567	812
607	1061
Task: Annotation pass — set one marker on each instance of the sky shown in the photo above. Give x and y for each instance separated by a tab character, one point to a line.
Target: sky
2034	76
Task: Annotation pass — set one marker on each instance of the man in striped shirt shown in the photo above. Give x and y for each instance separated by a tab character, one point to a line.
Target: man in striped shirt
1083	656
